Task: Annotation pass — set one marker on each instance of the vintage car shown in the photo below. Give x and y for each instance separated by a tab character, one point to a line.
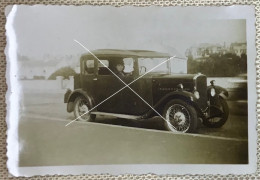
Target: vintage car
142	91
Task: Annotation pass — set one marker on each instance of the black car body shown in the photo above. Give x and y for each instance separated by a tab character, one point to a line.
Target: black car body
180	99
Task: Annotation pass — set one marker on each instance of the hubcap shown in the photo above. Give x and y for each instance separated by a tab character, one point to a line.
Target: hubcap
83	110
178	118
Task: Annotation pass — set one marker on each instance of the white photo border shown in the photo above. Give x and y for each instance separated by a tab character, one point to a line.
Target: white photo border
238	12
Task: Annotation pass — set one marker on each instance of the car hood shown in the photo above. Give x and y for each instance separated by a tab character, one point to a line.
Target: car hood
172	80
174	76
170	76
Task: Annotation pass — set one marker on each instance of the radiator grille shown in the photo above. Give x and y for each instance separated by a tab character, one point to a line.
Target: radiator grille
201	86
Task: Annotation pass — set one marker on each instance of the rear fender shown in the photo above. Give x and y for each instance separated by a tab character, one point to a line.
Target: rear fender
76	93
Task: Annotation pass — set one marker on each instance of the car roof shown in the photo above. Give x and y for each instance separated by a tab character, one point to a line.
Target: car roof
126	53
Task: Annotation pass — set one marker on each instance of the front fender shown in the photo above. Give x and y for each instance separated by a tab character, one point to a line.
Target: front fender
184	95
222	92
76	93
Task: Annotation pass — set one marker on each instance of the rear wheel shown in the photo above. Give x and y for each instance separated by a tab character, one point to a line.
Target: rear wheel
81	109
180	116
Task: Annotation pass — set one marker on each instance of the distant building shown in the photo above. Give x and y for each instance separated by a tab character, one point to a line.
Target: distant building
205	50
30	68
238	48
35	69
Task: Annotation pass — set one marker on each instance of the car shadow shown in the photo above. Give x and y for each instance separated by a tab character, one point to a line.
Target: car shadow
151	123
155	123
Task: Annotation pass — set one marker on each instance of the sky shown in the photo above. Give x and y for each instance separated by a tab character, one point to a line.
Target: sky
51	30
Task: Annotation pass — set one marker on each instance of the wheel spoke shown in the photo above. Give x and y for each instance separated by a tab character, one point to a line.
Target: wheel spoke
178	118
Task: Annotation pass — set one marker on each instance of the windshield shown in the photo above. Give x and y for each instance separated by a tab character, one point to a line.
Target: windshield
149	64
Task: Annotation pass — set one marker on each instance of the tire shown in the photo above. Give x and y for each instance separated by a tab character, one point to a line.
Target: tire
217	123
184	116
81	106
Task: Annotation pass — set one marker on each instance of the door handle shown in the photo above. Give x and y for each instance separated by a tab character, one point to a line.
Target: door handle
94	79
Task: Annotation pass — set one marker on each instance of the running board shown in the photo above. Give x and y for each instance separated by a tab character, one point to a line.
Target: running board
124	116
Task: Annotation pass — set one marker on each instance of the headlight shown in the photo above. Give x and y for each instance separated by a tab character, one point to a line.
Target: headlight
196	94
212	92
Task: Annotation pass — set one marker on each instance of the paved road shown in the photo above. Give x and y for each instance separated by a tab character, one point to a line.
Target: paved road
46	141
236	126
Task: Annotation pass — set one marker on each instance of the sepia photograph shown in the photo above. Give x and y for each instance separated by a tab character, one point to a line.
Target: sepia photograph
165	90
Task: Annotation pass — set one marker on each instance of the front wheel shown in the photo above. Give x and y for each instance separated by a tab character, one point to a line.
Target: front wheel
180	116
217	121
82	108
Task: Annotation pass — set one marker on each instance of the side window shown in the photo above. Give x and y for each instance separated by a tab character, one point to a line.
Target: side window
102	70
102	67
129	65
89	66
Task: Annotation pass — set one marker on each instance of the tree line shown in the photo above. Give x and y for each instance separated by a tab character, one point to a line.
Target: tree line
227	65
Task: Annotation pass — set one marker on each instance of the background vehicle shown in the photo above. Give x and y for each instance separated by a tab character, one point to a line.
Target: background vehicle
180	99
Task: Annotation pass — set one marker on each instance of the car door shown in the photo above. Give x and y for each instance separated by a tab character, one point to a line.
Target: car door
136	103
132	103
87	75
106	87
126	101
